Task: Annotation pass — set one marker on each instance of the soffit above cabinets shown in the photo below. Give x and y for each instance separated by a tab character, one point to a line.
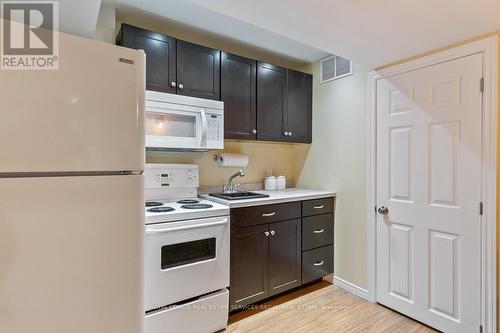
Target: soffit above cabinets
372	33
190	14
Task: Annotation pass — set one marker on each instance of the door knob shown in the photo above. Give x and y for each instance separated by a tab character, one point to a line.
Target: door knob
254	131
181	86
173	84
266	233
383	210
272	232
286	133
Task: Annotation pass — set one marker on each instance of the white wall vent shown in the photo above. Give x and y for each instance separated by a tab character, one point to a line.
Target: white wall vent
334	67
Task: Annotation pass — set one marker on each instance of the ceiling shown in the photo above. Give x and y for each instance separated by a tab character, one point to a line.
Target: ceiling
371	33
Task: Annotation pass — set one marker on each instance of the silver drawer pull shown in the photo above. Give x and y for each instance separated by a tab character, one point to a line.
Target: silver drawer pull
319	263
319	231
319	207
269	214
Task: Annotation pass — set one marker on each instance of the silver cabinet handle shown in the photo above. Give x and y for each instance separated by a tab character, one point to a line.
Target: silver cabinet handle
383	210
181	86
286	133
319	207
173	84
290	133
319	263
272	232
319	231
269	214
254	131
266	233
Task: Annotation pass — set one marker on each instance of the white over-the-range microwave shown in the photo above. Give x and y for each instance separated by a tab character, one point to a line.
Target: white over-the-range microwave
183	123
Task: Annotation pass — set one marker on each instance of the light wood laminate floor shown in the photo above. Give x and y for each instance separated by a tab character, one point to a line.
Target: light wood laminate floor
322	308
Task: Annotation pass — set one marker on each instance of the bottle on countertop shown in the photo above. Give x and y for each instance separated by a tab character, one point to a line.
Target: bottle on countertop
280	183
270	181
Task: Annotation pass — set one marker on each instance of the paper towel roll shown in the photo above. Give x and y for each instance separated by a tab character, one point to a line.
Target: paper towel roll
232	160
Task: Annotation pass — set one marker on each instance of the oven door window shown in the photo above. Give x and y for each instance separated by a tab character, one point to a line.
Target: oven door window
181	254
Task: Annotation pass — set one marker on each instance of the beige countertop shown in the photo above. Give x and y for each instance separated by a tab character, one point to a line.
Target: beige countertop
280	196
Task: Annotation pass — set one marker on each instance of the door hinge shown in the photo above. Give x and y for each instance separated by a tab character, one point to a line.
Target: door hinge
481	208
481	84
375	209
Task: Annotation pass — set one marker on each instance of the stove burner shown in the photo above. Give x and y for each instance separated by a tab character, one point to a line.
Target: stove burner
196	206
153	204
160	209
188	201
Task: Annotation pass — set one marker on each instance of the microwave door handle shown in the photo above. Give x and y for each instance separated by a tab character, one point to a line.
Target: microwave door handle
203	142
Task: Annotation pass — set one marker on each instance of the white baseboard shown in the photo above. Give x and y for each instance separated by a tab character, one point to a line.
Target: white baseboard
351	287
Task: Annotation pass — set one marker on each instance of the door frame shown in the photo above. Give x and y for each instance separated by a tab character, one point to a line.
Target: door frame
489	48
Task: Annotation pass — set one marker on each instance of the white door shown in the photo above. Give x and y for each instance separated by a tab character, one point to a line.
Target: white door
429	179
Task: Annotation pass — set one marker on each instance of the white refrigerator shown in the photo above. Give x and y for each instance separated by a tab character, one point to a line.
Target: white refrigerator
71	192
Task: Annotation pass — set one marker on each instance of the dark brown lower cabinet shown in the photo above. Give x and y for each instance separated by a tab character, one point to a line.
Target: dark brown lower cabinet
279	247
317	263
284	256
249	269
265	261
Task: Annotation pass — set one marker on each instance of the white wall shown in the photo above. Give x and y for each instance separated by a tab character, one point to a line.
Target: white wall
337	161
106	24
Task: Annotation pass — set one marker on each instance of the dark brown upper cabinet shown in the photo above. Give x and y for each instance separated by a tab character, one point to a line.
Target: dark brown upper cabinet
271	102
238	92
297	119
175	66
160	55
198	71
261	101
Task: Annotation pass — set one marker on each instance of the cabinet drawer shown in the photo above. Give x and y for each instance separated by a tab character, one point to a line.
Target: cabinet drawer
248	216
317	206
317	263
317	231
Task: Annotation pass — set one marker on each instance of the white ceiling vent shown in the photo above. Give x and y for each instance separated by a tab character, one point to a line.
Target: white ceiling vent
334	67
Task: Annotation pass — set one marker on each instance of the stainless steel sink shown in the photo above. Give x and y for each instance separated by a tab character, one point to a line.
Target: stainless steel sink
239	195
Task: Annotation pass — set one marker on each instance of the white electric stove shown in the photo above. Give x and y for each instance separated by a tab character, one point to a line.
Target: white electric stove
186	253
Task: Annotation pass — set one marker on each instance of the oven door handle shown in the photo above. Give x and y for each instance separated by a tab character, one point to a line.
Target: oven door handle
203	141
186	227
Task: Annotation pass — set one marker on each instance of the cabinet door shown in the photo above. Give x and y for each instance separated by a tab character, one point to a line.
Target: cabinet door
284	256
298	115
160	56
198	71
238	85
271	102
249	266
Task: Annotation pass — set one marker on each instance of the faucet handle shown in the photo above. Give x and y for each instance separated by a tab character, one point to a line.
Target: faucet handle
235	187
